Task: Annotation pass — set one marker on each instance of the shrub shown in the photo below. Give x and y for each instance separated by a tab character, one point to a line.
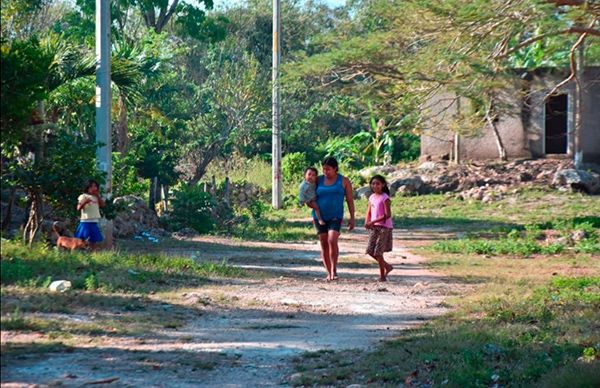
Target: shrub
293	165
191	208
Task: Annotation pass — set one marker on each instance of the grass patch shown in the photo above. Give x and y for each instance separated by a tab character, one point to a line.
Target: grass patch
507	339
255	171
528	322
24	349
276	229
106	271
579	235
529	206
110	294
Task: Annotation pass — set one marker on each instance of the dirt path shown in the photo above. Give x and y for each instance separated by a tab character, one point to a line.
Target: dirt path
251	328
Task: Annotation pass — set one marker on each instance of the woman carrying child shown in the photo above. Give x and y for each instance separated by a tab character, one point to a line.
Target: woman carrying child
379	224
332	190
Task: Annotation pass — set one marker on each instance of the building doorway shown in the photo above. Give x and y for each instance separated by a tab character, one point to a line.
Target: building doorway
556	123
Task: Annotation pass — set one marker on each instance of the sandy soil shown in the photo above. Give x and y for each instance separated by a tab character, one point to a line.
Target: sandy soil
250	336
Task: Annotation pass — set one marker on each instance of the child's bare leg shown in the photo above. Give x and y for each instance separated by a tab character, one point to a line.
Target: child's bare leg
313	205
382	267
387	266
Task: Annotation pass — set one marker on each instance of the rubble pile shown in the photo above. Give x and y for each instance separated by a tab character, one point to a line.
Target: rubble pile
484	181
242	194
134	216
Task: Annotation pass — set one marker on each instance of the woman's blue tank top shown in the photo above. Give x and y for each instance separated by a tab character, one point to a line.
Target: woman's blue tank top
330	199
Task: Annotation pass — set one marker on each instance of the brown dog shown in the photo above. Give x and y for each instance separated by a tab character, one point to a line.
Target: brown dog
65	242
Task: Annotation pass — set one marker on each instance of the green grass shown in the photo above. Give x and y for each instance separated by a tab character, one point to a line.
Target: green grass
531	319
276	229
255	171
530	239
517	338
108	271
530	206
113	293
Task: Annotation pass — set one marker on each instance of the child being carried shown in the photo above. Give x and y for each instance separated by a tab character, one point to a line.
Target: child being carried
308	192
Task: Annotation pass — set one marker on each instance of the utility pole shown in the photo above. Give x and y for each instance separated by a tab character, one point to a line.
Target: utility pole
276	146
103	104
579	79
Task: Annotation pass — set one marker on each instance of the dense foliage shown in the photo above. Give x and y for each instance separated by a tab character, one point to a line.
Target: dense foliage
191	84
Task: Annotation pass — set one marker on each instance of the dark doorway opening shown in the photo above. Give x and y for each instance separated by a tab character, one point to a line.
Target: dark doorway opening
556	124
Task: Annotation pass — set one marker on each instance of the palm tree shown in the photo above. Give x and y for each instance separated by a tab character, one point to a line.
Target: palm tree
58	63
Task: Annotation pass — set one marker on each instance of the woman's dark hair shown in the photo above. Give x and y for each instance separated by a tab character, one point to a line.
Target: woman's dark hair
311	169
89	184
331	162
381	179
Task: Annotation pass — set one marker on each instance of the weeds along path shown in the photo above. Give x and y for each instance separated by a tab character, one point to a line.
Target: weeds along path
250	328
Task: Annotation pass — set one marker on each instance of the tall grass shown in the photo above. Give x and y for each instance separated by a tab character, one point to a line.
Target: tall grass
255	171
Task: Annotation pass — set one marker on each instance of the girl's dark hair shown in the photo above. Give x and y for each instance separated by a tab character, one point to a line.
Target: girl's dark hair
311	169
381	179
331	162
89	184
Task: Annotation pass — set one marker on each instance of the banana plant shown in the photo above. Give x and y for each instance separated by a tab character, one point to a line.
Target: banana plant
381	145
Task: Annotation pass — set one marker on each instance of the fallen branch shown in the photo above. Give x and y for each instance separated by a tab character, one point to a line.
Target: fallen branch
104	381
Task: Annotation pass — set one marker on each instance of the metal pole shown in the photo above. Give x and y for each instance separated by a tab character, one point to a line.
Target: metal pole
103	102
276	146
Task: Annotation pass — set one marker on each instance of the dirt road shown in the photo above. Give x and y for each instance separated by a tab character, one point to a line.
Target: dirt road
251	328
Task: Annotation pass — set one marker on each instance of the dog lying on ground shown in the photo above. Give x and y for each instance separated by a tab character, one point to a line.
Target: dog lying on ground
65	242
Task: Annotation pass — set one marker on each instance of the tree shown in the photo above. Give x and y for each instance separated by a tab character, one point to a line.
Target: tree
230	103
468	48
28	149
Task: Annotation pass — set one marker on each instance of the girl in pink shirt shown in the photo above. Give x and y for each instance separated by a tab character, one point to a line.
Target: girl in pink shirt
379	224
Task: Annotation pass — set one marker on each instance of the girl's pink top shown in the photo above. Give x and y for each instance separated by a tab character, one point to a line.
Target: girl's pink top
377	205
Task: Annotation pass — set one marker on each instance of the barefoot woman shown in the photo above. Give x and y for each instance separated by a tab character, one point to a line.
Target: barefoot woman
332	189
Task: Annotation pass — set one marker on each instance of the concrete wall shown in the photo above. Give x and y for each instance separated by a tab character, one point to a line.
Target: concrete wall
590	134
522	125
438	138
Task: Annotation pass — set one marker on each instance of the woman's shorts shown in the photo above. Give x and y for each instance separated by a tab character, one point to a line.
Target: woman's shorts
333	224
380	241
89	231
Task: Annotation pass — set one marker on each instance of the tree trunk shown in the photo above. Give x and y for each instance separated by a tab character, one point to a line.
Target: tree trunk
207	157
8	215
165	15
35	217
152	194
499	144
213	188
456	142
157	192
122	138
165	197
35	193
226	193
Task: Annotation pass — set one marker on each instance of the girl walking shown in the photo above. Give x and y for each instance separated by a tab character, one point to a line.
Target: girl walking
379	224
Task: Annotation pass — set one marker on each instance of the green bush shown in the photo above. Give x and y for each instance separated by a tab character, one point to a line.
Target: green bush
125	177
191	208
293	165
